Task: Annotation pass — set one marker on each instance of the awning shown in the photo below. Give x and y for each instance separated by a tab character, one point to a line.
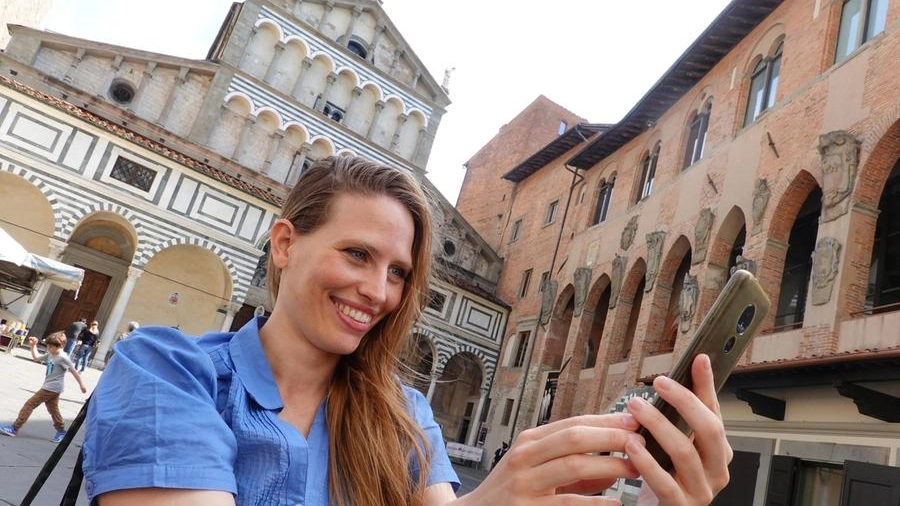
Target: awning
21	270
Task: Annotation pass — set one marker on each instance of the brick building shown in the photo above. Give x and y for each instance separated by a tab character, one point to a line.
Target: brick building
161	175
771	144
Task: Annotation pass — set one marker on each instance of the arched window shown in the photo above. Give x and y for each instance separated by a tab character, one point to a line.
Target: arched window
648	174
860	21
798	264
883	293
696	140
357	48
763	85
604	196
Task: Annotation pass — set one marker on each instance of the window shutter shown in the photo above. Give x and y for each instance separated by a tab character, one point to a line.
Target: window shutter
870	484
781	481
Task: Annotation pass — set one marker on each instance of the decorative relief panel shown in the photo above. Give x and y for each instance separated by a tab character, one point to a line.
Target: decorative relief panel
655	242
826	258
761	194
216	209
479	319
628	233
582	282
701	235
33	132
840	161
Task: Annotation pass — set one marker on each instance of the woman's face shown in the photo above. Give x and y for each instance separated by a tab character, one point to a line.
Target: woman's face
340	280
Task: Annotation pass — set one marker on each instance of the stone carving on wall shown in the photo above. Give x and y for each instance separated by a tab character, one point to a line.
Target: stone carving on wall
744	263
582	281
689	292
760	201
701	235
548	295
840	161
617	275
628	233
654	255
824	269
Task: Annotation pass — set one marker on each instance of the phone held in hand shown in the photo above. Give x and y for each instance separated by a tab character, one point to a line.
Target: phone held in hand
724	335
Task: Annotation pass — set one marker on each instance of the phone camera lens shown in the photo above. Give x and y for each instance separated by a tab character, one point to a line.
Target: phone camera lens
745	319
729	344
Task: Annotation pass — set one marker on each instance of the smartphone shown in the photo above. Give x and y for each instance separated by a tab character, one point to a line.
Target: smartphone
724	334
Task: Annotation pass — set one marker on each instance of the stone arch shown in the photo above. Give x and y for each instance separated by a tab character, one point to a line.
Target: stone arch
362	115
22	189
457	394
722	240
792	195
663	323
386	122
256	140
560	324
293	137
765	46
883	144
631	296
288	67
420	360
321	147
594	315
147	250
123	217
409	134
232	119
260	48
193	295
341	92
315	80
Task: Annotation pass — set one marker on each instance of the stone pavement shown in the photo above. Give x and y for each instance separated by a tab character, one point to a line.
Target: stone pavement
21	457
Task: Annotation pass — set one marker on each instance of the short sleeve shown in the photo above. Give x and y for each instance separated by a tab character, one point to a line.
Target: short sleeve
152	420
440	470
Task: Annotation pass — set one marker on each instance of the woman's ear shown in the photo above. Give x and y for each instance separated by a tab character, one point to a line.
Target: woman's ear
280	239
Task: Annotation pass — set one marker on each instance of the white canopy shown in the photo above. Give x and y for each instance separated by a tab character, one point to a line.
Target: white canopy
20	270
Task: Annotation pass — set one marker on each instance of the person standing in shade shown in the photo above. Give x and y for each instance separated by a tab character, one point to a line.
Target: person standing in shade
73	331
132	326
58	363
499	453
88	338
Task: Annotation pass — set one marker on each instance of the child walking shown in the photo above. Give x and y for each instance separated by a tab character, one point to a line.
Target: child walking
57	364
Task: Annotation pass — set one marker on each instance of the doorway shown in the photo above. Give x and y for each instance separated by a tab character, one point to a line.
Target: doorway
87	305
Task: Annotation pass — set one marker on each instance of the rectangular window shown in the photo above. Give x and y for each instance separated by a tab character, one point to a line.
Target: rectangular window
507	412
133	173
551	212
522	339
603	198
545	276
860	21
648	174
436	301
525	283
514	231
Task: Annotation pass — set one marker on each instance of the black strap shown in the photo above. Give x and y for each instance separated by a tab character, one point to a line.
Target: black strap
71	494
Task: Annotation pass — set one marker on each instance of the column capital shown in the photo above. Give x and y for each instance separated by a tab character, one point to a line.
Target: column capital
57	248
134	273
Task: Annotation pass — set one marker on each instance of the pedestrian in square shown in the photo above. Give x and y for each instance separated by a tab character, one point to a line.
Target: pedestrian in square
57	362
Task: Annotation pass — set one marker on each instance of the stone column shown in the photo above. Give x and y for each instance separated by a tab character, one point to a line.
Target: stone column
297	164
298	84
472	436
344	39
249	121
275	62
231	309
431	385
379	106
57	248
395	139
115	316
275	141
329	83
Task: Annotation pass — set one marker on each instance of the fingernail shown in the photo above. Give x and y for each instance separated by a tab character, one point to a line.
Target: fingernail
663	383
707	364
628	420
636	404
637	439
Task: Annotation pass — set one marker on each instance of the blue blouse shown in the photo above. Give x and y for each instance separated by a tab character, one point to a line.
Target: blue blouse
153	421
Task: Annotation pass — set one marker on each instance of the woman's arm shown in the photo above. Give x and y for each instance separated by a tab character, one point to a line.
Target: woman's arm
165	497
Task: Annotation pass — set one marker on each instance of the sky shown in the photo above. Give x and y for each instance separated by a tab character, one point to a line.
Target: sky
596	58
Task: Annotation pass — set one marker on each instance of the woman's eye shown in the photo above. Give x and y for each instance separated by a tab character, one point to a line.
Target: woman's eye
398	272
357	254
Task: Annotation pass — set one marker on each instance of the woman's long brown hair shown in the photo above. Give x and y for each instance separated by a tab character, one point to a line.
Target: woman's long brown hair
373	436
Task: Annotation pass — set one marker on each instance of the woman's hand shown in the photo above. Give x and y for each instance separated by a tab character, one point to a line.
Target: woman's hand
561	459
701	460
